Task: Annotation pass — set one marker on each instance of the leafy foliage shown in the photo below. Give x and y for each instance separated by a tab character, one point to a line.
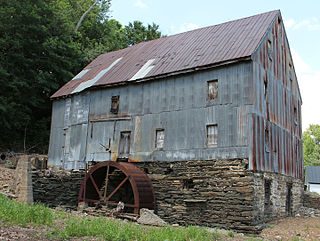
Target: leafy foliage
311	146
41	50
136	32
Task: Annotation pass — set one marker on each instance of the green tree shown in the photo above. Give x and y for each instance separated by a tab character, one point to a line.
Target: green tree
43	44
136	32
37	56
311	146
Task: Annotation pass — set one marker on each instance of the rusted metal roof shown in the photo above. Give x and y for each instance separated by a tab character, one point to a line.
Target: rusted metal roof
173	54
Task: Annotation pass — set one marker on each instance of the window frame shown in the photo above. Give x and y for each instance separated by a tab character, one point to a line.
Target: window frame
156	144
216	96
207	135
115	100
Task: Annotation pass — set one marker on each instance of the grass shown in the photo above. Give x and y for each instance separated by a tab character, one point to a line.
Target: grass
117	230
230	234
23	214
65	226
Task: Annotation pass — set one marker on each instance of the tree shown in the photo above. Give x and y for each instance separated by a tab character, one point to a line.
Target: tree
43	44
37	56
311	146
136	32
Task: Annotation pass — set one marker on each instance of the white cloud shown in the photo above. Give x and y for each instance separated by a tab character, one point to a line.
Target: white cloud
309	83
311	24
188	26
140	4
289	23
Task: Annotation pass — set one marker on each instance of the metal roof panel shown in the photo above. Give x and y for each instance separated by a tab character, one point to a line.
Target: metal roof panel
185	51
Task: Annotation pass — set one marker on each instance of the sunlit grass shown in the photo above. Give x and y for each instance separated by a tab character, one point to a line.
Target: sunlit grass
64	225
23	213
117	230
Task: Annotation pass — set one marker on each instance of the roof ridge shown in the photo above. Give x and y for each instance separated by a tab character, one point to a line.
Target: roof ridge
187	51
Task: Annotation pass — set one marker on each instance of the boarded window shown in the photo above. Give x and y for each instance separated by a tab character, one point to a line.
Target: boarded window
160	138
267	198
124	145
115	104
212	90
212	135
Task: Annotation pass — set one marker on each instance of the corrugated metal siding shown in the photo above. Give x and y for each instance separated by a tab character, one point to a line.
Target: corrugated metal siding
276	110
178	105
313	174
189	50
56	133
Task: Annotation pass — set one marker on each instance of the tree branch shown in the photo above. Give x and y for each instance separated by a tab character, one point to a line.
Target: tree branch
83	16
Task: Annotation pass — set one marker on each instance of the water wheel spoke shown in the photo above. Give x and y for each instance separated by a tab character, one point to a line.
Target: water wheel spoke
106	186
117	188
112	182
95	186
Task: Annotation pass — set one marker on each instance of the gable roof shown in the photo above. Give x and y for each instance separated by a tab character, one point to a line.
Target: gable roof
313	174
182	52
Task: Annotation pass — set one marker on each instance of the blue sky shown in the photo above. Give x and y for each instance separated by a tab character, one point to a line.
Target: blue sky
301	19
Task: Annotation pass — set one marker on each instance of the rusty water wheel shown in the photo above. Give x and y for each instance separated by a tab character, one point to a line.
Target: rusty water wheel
110	182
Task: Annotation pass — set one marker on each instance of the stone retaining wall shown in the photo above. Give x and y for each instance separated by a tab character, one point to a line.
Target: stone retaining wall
57	188
214	193
219	193
311	200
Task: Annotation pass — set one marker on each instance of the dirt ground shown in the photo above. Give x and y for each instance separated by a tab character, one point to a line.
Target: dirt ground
298	228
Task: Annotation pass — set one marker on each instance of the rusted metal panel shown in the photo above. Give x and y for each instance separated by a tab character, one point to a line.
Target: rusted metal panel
255	110
281	106
178	105
193	49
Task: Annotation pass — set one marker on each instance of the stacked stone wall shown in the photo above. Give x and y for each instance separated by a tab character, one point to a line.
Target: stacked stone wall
311	200
219	193
279	191
214	193
57	188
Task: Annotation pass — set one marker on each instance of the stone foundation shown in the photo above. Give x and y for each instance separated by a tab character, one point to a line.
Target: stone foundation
219	193
311	200
57	188
215	193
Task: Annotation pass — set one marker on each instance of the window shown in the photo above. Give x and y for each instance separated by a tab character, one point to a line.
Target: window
270	51
160	138
265	87
212	90
212	135
295	114
124	145
267	138
115	104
